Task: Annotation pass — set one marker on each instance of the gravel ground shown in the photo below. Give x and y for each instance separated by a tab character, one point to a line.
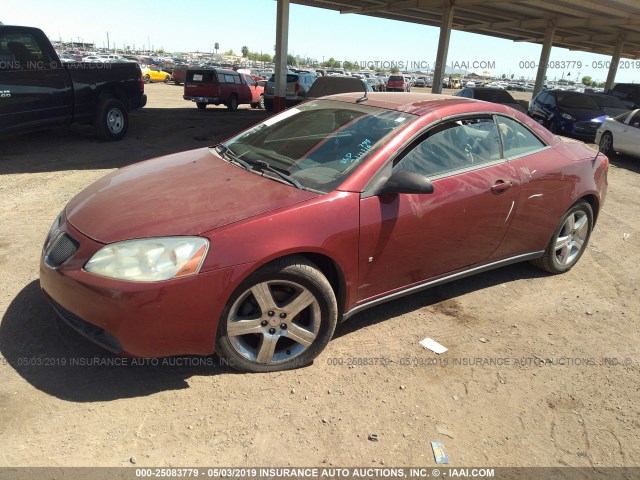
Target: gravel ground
541	370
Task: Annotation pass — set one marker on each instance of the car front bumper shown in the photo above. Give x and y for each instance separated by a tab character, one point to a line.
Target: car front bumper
150	319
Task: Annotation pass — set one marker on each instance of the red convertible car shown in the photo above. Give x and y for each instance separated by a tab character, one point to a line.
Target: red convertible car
257	247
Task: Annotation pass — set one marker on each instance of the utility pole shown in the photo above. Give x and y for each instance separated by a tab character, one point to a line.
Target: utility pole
107	41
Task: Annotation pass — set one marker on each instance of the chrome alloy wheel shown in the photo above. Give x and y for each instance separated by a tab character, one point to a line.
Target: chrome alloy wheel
572	236
273	321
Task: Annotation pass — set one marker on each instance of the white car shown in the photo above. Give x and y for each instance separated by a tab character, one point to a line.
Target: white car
470	84
620	134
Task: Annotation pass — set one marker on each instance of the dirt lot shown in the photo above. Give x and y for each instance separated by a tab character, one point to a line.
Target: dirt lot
545	397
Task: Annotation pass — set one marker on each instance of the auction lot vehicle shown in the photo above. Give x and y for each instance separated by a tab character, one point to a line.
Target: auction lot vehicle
38	91
151	73
620	134
298	84
629	93
571	114
398	83
494	95
218	86
257	247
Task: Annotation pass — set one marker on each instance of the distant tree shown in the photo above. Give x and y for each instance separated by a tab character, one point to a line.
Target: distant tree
245	51
229	52
216	46
291	60
265	57
347	65
395	70
512	75
330	63
587	80
504	76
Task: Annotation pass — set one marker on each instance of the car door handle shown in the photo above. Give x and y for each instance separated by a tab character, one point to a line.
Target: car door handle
501	186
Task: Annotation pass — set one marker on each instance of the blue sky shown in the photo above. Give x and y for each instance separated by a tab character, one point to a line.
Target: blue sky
315	33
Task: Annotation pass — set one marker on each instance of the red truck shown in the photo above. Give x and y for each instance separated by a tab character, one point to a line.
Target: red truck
222	87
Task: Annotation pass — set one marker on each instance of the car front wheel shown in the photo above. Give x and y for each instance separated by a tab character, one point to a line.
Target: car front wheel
569	240
280	318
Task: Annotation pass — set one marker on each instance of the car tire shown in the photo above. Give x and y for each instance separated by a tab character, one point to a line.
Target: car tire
167	79
176	82
112	119
232	104
274	338
261	102
254	105
606	143
552	126
146	79
201	105
569	240
268	105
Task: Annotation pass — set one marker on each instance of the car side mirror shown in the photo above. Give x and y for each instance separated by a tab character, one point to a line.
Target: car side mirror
406	181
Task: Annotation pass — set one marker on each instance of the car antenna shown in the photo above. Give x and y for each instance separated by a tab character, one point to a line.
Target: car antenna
365	98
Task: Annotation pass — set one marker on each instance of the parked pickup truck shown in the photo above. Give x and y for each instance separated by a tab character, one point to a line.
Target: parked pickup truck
222	87
38	91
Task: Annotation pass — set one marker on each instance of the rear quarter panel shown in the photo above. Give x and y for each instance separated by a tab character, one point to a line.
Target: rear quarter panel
552	181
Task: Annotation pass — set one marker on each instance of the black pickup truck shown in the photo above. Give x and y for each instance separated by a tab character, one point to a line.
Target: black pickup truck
38	91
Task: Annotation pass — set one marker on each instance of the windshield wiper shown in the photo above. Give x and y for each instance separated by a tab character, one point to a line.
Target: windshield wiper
288	178
224	152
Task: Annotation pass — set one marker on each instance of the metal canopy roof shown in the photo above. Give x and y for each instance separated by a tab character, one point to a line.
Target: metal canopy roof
585	25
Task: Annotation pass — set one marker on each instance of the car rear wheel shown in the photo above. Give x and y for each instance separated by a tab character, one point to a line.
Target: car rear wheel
232	105
261	102
569	240
146	78
606	143
167	79
112	120
201	105
280	318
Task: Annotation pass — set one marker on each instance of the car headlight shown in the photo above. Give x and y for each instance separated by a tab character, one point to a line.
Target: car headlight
53	229
567	116
150	259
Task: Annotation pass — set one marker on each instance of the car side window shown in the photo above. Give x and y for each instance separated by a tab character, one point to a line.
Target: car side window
249	80
453	146
635	120
21	51
517	140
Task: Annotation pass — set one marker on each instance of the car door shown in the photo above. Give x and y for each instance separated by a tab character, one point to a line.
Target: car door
409	238
34	87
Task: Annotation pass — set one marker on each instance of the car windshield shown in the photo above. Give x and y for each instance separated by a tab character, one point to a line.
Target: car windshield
396	78
577	100
318	143
608	101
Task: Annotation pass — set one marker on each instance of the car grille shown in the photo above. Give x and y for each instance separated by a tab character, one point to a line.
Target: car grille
60	250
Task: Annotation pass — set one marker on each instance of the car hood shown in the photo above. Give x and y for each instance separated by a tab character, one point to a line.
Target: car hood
183	194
